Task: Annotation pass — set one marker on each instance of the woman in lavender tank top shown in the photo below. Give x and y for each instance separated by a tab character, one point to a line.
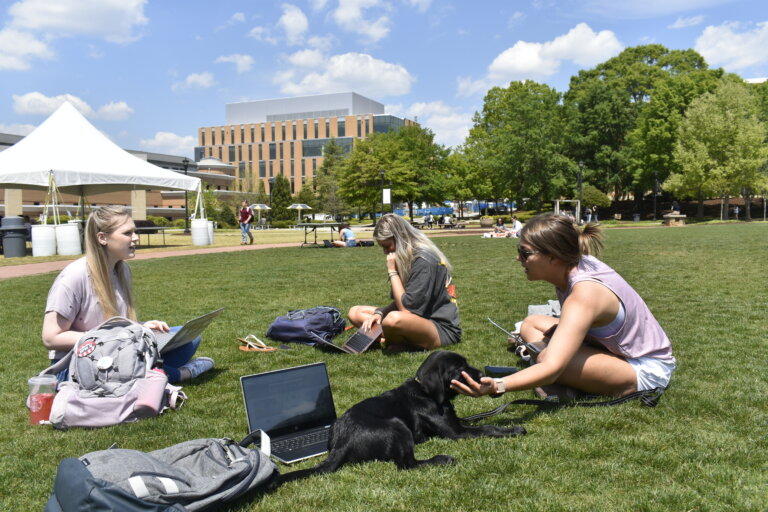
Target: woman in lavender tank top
606	340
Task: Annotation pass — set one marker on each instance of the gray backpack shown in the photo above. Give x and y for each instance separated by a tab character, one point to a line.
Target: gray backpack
190	476
112	378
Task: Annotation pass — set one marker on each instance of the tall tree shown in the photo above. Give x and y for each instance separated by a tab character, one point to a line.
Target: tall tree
280	198
307	195
517	143
327	180
721	148
604	103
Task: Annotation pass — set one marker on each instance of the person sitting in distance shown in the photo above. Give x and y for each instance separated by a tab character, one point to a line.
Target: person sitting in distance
423	315
347	236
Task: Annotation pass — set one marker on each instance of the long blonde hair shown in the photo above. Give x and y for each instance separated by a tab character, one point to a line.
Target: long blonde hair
558	236
106	219
408	240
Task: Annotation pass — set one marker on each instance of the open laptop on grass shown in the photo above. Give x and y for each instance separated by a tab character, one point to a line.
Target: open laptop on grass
189	331
294	406
356	344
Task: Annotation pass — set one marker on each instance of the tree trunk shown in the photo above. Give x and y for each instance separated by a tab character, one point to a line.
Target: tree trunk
747	206
410	209
700	207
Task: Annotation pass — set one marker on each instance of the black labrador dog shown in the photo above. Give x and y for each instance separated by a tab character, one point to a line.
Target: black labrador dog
386	427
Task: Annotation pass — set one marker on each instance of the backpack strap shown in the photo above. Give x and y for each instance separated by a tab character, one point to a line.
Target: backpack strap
649	398
265	444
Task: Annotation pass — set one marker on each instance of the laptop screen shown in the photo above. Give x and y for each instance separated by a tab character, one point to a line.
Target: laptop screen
287	401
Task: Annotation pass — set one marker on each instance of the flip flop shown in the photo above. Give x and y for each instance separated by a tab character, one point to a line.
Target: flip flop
253	344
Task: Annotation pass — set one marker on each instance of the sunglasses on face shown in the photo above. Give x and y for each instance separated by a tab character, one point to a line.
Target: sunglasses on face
524	254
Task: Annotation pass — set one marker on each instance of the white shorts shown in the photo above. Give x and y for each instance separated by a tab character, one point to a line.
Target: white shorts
652	372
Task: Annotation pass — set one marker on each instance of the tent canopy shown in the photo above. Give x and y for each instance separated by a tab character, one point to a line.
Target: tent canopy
82	160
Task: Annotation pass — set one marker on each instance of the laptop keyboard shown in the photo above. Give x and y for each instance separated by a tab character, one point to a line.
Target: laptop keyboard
295	443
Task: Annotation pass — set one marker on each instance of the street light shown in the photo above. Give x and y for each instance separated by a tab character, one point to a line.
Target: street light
381	176
655	192
185	162
581	191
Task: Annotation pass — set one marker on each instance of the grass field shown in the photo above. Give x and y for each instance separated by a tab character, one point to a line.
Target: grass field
702	449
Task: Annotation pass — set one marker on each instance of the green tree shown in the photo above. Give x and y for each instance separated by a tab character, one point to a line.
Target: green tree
218	211
592	196
307	195
460	178
281	199
604	103
721	147
327	178
516	146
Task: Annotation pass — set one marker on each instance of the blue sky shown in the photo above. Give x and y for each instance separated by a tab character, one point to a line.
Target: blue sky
149	73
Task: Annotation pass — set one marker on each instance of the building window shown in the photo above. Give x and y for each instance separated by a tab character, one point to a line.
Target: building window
221	152
293	187
252	135
293	172
315	134
222	137
314	166
250	152
262	169
270	168
262	133
242	134
303	168
261	157
280	150
202	138
291	144
231	135
232	154
282	130
273	132
305	130
293	131
341	128
327	128
272	151
213	137
359	128
239	153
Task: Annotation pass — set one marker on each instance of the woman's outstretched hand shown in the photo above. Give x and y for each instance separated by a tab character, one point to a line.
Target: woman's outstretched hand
470	387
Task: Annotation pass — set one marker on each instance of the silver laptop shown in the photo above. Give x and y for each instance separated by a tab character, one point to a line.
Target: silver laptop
189	331
294	406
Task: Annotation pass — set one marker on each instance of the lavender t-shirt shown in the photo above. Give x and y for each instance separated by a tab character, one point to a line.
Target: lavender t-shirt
73	297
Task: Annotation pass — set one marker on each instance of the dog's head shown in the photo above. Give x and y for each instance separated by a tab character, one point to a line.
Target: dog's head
439	369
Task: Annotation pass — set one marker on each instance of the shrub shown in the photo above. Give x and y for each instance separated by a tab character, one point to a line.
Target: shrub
159	221
282	224
178	223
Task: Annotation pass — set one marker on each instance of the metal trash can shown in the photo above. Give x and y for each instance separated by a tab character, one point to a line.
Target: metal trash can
14	232
636	217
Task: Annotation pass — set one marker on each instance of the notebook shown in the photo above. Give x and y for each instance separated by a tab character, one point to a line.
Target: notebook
189	331
356	344
294	406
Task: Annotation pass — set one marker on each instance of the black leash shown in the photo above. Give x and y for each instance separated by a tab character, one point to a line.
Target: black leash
649	398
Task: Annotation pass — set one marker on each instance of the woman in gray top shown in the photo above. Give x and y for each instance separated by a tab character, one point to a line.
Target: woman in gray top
423	314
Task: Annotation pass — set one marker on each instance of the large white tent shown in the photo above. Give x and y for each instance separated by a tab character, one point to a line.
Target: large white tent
81	160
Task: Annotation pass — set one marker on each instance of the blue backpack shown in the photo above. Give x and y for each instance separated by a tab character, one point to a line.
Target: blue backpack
307	325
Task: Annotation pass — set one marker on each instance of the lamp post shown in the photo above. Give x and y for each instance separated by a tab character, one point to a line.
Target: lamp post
381	179
581	191
185	162
655	192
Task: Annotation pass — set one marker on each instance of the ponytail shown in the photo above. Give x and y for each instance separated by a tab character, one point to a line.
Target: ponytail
590	240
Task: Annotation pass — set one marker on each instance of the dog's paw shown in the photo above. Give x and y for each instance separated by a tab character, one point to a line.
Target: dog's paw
514	431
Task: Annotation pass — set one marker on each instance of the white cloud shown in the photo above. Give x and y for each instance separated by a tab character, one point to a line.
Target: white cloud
421	5
37	103
18	48
17	129
516	17
170	143
449	123
294	23
648	8
349	15
526	60
242	62
236	18
114	111
262	34
757	80
307	58
318	5
725	46
112	20
687	22
357	72
202	80
322	43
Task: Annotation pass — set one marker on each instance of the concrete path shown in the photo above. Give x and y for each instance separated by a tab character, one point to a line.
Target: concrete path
31	269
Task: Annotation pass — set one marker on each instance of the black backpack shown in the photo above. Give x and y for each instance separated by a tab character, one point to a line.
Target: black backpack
307	325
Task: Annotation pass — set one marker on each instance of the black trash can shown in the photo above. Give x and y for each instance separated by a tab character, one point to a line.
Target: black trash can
14	232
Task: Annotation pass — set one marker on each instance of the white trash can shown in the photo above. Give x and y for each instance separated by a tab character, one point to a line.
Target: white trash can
68	239
200	234
43	240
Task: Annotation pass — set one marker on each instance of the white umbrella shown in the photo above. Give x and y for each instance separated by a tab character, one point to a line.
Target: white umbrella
258	207
299	207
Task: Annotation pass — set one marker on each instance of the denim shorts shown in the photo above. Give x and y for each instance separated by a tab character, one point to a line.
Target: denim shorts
652	372
352	243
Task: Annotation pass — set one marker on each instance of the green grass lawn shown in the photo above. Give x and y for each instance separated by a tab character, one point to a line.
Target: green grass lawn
702	449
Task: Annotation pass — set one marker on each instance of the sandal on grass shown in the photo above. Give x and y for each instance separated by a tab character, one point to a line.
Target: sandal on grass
253	344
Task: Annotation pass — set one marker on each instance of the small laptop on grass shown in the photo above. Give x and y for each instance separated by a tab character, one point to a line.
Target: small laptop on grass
189	331
356	344
294	406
